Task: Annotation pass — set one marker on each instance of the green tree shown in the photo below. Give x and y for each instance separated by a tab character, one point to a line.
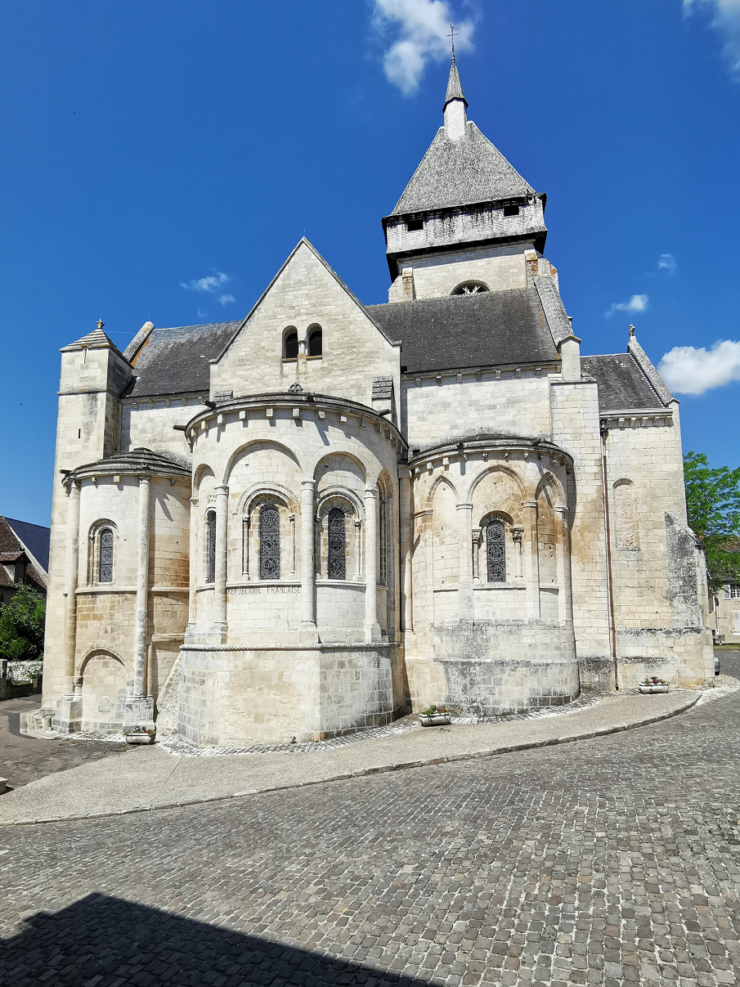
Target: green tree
713	505
22	626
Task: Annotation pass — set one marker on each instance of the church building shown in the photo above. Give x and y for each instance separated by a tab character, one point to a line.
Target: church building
325	515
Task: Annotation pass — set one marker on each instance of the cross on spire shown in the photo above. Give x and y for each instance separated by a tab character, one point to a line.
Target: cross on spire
452	35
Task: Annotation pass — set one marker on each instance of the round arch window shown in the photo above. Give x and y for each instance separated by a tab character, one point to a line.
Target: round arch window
315	342
290	345
470	288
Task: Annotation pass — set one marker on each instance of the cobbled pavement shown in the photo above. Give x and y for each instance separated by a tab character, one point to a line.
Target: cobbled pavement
607	861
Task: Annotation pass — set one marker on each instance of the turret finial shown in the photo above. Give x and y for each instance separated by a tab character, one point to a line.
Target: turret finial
632	331
100	323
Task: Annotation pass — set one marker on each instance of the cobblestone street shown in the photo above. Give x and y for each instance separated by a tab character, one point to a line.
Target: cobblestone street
599	862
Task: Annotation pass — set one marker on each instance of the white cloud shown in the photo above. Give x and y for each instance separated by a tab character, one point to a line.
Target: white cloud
694	370
638	303
209	284
424	33
225	299
726	19
667	262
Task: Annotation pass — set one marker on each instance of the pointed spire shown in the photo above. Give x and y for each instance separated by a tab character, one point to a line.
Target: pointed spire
454	86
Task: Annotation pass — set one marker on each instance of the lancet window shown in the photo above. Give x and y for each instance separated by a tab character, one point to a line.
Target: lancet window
337	544
211	547
383	532
105	564
496	551
269	542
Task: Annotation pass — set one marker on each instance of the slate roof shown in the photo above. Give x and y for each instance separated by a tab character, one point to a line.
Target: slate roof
159	463
176	361
458	173
35	537
622	384
494	328
454	86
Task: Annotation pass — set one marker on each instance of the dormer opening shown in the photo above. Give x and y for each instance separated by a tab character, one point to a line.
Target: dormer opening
412	225
511	210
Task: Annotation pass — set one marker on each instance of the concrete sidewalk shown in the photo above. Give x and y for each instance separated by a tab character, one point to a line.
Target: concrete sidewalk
152	778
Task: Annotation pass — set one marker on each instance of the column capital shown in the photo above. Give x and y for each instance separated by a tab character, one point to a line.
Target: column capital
464	507
529	503
371	492
517	530
308	483
405	473
221	489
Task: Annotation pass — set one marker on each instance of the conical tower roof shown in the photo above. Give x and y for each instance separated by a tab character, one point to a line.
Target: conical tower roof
462	171
454	86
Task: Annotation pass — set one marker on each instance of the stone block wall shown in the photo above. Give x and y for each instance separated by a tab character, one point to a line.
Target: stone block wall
238	698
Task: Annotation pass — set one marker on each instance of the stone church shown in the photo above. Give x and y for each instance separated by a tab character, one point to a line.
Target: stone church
327	514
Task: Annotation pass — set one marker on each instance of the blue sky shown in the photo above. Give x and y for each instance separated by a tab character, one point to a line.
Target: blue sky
148	146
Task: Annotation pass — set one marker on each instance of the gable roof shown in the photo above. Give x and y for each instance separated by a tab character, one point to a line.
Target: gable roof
303	242
177	361
493	328
621	382
34	538
462	172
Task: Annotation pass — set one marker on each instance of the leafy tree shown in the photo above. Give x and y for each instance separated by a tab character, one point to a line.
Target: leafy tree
22	626
713	505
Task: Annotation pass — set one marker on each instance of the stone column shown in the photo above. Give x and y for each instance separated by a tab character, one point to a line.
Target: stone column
139	711
406	545
531	560
517	530
222	497
465	549
565	611
73	564
308	634
142	588
372	627
192	598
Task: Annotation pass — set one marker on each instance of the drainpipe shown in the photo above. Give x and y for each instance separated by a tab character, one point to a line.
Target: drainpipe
609	576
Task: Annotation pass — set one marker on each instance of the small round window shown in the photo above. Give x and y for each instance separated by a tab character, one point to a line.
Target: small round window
470	288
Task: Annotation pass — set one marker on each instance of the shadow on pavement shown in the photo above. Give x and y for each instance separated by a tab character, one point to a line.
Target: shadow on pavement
102	941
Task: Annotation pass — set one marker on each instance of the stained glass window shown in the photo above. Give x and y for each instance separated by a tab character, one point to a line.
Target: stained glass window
105	571
269	542
337	564
496	551
211	547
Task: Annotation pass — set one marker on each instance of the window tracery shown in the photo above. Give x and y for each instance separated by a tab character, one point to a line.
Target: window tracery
211	547
269	542
337	544
105	563
470	288
496	551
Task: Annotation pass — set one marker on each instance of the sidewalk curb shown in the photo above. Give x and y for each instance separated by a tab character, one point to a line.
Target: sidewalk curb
365	772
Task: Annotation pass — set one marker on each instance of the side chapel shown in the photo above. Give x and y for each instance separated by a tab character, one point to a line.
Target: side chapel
327	514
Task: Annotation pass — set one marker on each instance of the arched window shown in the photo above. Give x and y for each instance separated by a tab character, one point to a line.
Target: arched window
290	345
470	288
105	564
496	551
269	542
314	342
337	544
211	547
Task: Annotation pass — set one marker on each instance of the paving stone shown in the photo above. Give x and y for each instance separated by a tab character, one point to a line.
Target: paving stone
609	861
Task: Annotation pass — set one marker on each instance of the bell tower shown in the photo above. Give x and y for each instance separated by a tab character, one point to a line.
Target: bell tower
465	204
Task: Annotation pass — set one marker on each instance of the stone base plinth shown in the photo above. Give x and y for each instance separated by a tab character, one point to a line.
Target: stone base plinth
233	697
138	712
493	668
